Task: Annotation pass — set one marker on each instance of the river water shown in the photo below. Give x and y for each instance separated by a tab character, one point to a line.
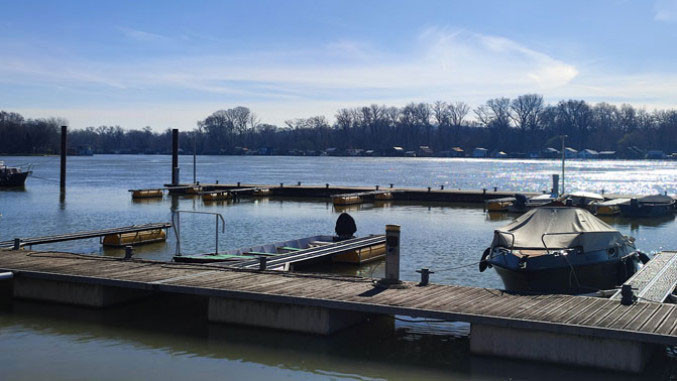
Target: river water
156	342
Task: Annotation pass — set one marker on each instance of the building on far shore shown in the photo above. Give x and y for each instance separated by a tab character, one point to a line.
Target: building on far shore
480	152
588	154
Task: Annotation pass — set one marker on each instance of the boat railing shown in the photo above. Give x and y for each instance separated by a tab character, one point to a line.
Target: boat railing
546	234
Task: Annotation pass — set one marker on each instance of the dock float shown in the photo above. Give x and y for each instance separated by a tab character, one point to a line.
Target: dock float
146	193
359	197
21	242
566	329
655	281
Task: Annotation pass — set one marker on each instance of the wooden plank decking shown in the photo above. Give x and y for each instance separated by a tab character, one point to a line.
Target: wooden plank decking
643	322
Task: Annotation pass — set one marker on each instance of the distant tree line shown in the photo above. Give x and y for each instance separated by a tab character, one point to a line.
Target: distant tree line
522	124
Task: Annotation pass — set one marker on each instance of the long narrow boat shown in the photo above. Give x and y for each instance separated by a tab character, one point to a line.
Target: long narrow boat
561	250
358	257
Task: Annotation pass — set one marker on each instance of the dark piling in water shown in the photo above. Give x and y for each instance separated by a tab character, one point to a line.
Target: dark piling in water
64	151
175	156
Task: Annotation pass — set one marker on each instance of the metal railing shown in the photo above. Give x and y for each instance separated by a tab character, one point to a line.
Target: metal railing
176	224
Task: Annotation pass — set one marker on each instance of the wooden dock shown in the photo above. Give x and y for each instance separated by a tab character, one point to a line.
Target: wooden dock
327	191
30	241
321	304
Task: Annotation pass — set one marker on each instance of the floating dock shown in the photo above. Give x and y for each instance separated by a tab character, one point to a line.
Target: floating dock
375	192
122	231
566	329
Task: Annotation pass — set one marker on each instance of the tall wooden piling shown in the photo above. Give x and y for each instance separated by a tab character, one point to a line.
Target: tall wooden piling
175	156
64	152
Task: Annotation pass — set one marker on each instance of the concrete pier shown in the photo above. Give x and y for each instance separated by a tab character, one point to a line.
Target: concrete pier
564	329
528	344
80	294
288	317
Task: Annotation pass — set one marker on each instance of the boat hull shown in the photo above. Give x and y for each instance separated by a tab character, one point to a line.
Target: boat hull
14	179
588	278
647	210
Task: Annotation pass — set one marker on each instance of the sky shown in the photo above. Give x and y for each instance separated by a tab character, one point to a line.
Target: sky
168	64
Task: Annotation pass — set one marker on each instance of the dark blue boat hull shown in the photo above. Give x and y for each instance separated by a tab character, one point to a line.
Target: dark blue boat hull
584	278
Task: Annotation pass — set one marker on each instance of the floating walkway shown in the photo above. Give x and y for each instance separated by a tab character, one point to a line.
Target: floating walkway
82	235
560	328
656	280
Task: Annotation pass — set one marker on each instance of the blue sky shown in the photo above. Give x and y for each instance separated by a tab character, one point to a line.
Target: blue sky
169	64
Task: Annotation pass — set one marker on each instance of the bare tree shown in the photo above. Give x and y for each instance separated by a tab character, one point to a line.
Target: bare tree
526	110
457	113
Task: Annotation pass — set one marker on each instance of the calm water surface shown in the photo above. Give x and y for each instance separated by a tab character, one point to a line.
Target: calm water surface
134	342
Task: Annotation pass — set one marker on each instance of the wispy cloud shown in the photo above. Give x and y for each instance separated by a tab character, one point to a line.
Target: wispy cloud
139	35
665	10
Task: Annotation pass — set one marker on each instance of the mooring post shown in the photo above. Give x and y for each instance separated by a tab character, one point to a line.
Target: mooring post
194	159
262	263
129	252
175	156
298	184
377	187
64	152
392	254
555	184
17	244
391	185
442	187
425	276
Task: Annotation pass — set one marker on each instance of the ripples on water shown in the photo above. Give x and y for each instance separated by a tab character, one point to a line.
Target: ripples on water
433	235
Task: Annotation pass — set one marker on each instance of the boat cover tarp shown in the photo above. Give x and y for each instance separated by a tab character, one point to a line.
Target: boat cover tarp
586	230
615	201
657	199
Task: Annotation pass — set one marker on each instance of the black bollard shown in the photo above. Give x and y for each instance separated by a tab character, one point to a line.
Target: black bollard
425	276
262	263
129	252
627	296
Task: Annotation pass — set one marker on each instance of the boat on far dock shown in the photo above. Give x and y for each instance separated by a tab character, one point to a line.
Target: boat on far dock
649	206
12	176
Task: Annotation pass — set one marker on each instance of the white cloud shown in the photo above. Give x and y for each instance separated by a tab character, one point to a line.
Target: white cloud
665	10
443	63
140	35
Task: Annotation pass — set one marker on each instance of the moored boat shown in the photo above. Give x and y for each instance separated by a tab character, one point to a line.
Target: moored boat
561	250
358	256
649	206
12	176
610	207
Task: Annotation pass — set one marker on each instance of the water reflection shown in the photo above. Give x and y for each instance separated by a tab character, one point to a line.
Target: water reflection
635	223
161	333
